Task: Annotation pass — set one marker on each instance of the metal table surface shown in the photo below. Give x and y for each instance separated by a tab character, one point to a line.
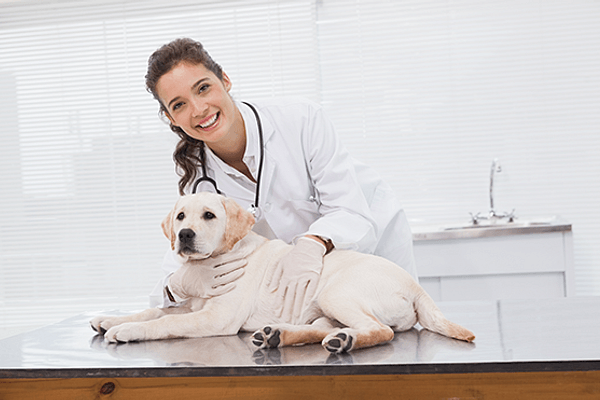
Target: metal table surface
512	336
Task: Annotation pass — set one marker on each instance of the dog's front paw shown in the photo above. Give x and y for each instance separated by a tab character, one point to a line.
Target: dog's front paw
103	323
96	324
267	338
128	332
339	342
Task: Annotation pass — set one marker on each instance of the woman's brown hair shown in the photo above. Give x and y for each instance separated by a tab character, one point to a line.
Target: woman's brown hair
189	151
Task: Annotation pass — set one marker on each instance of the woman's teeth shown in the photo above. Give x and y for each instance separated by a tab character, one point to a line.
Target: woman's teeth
210	122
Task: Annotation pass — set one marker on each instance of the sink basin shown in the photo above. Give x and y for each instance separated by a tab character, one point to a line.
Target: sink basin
490	228
500	224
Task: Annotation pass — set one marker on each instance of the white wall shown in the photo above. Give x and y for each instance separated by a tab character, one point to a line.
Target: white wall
430	92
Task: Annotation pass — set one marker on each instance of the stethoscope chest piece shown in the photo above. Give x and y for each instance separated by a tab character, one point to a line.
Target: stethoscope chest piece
255	211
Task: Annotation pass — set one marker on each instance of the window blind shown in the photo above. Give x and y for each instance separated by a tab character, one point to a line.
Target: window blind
85	162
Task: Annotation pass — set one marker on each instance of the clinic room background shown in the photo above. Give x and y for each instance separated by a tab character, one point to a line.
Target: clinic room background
427	92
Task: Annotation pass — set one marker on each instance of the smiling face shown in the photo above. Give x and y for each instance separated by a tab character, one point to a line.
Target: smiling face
198	102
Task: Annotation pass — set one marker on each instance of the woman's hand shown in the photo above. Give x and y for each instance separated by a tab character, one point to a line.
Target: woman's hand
205	278
296	277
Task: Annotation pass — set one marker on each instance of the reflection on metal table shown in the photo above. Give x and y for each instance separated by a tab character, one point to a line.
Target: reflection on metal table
532	343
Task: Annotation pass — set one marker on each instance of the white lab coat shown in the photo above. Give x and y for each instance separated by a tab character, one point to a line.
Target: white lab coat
310	185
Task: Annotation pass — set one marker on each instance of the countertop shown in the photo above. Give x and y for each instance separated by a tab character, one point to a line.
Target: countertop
487	229
512	336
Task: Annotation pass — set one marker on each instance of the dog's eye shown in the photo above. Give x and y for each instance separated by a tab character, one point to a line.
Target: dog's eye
209	215
180	216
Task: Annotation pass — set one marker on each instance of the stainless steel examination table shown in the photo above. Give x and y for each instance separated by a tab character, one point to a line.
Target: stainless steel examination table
525	349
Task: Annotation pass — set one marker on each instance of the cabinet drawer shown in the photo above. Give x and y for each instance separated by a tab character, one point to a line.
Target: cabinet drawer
494	255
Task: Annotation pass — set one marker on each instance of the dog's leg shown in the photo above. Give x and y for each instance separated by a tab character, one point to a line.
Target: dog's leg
363	331
103	323
213	321
362	327
279	335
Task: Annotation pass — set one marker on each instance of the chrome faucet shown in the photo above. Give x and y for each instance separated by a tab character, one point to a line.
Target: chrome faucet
493	215
496	167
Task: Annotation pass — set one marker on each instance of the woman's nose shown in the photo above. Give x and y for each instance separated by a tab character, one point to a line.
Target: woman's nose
198	108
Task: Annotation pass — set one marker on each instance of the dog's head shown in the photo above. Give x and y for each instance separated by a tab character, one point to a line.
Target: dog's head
205	224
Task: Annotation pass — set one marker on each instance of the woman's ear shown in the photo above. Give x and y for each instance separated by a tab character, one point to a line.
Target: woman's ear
239	223
226	82
166	114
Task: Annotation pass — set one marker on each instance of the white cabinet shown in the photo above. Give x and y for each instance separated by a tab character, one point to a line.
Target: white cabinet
495	263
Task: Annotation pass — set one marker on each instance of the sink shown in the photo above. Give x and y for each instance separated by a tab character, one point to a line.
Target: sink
500	225
490	228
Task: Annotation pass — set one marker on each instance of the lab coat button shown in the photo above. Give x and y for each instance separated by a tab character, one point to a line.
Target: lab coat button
268	207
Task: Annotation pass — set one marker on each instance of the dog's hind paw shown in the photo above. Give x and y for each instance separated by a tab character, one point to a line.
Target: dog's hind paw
337	343
266	338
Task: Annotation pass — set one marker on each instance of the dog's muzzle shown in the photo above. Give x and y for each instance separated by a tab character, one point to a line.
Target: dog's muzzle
187	236
186	241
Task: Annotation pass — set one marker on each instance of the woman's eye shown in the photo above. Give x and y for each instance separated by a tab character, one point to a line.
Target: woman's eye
202	88
180	216
209	215
177	106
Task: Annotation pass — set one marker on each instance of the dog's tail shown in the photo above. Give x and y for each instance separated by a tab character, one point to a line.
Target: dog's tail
431	318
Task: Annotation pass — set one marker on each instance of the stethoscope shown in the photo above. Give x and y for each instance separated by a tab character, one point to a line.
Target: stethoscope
254	209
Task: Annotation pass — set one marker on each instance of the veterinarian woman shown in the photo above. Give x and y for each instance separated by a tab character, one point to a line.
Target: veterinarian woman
311	192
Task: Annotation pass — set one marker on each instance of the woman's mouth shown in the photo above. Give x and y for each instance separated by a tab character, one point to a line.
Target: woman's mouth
210	121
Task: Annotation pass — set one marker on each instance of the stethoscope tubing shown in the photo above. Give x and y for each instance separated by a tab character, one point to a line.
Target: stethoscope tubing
262	156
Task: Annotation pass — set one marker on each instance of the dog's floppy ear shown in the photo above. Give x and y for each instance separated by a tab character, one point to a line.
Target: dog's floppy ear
239	223
167	227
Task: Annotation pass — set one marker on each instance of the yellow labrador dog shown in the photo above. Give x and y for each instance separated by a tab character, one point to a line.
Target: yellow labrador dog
360	302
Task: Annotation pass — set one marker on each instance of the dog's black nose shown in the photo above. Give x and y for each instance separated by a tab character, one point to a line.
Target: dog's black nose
186	235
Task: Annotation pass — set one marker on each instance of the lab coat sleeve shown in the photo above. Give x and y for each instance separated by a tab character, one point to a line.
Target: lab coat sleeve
158	296
345	215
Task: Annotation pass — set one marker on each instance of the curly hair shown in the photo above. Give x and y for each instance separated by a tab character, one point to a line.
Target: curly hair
188	152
